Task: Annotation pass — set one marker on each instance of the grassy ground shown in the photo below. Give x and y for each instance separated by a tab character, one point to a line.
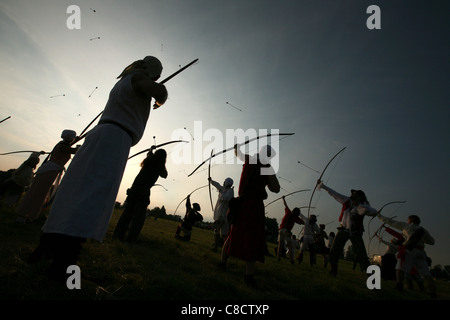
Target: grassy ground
159	267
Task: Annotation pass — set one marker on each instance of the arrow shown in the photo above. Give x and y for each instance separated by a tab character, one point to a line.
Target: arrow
5	119
41	152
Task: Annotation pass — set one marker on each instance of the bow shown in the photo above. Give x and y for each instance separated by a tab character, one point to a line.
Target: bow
286	196
379	211
244	143
188	196
209	181
160	185
41	152
177	72
83	134
392	202
321	175
155	147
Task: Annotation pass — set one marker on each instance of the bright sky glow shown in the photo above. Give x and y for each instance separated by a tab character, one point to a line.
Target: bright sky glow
309	67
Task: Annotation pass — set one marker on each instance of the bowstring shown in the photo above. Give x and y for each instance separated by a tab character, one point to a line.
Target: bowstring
378	229
230	157
334	166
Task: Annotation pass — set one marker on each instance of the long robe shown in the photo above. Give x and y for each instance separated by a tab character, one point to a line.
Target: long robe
31	204
247	236
85	199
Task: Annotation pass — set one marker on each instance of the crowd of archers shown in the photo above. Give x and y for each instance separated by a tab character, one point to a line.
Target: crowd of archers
95	173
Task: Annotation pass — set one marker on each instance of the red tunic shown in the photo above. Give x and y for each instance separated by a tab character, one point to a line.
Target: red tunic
289	220
247	236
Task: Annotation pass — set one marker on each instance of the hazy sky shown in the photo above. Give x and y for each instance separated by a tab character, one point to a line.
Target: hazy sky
308	67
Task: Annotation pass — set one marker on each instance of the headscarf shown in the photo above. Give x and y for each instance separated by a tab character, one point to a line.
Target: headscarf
228	182
68	135
150	65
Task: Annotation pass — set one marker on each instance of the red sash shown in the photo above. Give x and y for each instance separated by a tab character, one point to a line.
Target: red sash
344	207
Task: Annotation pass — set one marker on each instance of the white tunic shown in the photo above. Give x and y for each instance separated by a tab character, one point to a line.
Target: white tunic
127	109
225	195
85	199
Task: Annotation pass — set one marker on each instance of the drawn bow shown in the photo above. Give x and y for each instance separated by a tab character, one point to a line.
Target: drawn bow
241	144
188	196
286	196
155	147
321	175
379	211
209	181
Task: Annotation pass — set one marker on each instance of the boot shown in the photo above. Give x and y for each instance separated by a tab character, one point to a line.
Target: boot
67	252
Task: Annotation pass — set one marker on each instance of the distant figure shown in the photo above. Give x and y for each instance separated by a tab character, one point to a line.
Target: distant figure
85	199
247	237
138	196
221	225
30	206
389	258
13	187
319	243
412	252
309	232
354	208
290	218
326	257
191	217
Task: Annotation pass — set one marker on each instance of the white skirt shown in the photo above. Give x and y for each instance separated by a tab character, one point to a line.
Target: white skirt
86	196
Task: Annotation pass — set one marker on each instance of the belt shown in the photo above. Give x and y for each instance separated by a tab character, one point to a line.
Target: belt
117	125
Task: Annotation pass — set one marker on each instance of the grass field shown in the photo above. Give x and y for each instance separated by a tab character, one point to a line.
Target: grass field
159	267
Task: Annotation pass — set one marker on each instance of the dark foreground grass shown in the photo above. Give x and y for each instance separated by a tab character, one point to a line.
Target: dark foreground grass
158	267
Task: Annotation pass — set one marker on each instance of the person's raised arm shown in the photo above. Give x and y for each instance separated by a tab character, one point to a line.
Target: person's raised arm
146	88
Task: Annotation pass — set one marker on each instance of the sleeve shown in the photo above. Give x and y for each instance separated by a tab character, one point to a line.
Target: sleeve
428	238
228	194
367	210
163	173
336	195
216	184
299	221
396	224
62	147
239	154
302	217
316	228
188	203
273	183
